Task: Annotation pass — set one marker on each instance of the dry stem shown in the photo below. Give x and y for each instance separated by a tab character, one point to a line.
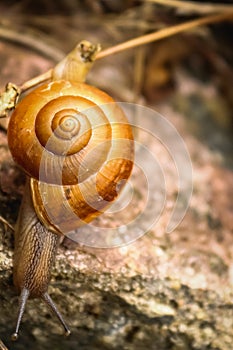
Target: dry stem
142	40
163	33
193	6
6	223
2	346
37	80
32	42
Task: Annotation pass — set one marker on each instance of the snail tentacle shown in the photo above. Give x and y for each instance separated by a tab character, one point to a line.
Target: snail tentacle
22	304
48	300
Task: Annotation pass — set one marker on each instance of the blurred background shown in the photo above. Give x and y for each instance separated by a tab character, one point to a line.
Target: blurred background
186	275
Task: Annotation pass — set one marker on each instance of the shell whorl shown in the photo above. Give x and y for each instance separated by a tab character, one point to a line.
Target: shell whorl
76	145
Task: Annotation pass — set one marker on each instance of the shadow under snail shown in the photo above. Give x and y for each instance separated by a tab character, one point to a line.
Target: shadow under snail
76	147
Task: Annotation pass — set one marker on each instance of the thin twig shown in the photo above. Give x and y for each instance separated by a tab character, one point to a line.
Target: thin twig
5	222
205	8
33	42
163	33
2	346
139	66
37	80
142	40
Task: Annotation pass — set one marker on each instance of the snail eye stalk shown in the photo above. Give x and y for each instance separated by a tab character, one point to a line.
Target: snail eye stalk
22	304
46	297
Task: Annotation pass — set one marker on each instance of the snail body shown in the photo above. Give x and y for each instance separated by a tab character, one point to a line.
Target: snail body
76	147
25	260
34	255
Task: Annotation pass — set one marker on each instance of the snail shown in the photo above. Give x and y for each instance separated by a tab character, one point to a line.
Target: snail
76	147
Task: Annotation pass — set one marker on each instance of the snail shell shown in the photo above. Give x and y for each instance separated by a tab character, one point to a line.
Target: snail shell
75	143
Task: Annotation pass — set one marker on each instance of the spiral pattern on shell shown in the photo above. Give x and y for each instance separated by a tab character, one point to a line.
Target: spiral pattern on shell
75	143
